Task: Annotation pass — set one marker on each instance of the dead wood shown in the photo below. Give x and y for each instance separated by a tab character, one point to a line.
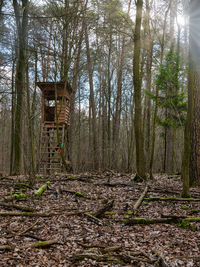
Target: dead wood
193	211
139	201
171	199
194	258
110	249
110	258
100	213
128	184
15	206
5	247
29	228
40	214
133	221
93	219
174	216
33	237
172	219
161	260
42	244
102	248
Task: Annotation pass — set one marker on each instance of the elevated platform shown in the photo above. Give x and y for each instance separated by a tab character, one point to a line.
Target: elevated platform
51	137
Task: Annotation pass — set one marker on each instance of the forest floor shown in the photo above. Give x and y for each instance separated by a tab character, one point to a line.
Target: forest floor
66	216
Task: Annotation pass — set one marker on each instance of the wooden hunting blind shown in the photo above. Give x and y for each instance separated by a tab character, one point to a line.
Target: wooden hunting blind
55	119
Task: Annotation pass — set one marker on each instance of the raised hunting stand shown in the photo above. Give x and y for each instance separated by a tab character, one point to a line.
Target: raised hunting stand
55	119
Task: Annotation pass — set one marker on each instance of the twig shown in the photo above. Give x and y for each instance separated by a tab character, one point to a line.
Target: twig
29	228
15	206
139	201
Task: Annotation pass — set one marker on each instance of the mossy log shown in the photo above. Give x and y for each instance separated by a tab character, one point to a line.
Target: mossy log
172	219
40	191
192	219
19	196
139	201
194	211
44	244
41	244
110	249
15	206
40	214
98	258
101	212
171	199
174	216
121	259
102	248
19	185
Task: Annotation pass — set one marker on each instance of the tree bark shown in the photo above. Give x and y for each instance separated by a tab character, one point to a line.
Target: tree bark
19	78
169	130
92	100
147	106
194	94
140	158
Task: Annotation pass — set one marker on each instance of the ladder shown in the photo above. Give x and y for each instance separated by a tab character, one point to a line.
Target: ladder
50	158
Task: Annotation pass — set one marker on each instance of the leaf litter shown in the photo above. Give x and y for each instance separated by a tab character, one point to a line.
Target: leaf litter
80	240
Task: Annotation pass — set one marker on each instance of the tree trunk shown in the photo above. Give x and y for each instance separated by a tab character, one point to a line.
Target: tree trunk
92	101
147	107
116	125
19	79
30	133
156	101
194	92
72	102
169	130
140	159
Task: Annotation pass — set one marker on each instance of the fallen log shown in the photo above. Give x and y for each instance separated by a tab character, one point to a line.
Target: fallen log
96	257
15	206
194	258
139	201
174	216
40	214
128	184
40	191
99	213
19	185
100	247
39	244
93	219
33	237
172	219
171	199
42	244
5	247
122	259
194	211
133	221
